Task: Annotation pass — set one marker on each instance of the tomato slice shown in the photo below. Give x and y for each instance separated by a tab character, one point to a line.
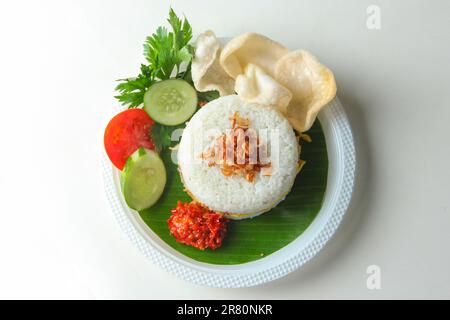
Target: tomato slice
127	132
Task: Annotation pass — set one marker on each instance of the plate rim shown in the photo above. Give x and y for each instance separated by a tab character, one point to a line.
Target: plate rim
216	276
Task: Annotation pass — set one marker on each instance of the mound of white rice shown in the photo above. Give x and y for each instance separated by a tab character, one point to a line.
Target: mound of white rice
234	195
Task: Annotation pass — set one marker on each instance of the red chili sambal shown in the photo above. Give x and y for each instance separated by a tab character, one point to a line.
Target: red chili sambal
197	226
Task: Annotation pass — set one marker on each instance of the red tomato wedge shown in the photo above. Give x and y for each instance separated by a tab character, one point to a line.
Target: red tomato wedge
127	132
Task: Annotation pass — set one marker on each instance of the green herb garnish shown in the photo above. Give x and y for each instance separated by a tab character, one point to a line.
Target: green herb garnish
162	135
168	55
165	51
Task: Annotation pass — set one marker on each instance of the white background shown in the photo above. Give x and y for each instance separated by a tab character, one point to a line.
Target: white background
58	62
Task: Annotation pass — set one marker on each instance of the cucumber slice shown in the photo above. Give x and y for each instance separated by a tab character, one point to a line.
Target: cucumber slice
143	179
170	102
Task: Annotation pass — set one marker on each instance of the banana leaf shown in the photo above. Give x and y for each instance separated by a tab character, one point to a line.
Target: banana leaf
252	239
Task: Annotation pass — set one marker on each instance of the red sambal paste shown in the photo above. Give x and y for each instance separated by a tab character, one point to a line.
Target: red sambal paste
197	226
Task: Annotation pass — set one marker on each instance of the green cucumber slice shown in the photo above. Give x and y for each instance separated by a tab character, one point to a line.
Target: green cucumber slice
170	102
143	179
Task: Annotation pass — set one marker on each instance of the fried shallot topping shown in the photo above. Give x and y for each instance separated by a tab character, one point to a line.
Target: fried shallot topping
238	152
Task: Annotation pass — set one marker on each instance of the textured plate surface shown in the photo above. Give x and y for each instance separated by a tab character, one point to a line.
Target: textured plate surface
341	169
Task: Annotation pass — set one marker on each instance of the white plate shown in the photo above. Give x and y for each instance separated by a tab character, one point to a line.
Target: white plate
341	154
